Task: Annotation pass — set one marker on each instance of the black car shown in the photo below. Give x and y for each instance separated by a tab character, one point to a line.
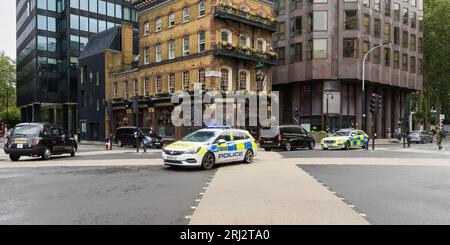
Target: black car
38	140
286	137
125	136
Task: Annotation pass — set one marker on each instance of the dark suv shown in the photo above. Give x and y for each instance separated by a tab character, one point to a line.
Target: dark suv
38	140
125	136
286	137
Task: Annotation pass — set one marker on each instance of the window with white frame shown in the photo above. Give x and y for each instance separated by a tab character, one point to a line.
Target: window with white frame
136	88
201	8
261	45
171	49
171	19
201	78
146	55
146	28
171	83
226	36
226	76
158	51
185	45
244	40
185	14
146	86
158	82
201	42
158	24
185	81
244	80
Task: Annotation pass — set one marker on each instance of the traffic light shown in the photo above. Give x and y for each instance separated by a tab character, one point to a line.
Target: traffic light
379	103
376	102
373	103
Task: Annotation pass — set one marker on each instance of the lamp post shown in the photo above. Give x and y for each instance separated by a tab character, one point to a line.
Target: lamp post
363	112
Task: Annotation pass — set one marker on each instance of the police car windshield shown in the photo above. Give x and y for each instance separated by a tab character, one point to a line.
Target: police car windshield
342	133
201	136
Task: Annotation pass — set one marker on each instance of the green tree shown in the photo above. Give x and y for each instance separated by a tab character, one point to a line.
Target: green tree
436	89
8	110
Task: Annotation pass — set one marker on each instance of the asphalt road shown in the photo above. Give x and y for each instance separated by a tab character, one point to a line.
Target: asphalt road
99	195
391	195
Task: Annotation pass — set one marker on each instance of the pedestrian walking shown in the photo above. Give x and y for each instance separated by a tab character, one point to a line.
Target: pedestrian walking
440	135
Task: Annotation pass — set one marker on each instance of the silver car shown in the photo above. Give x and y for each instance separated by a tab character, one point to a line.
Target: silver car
420	137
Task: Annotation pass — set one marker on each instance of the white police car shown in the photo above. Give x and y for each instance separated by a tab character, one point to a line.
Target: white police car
204	148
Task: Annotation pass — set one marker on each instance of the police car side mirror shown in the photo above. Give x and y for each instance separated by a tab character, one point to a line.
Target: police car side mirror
222	141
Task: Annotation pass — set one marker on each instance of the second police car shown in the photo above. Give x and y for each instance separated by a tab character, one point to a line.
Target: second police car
207	147
345	139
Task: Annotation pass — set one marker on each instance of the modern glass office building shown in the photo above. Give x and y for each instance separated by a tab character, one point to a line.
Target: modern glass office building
50	37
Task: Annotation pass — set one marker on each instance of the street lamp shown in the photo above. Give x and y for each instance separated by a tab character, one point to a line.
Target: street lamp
363	112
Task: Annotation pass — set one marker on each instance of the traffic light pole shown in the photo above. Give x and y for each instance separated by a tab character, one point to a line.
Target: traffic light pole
374	128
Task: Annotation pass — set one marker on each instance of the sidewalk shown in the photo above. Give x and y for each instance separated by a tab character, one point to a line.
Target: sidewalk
273	191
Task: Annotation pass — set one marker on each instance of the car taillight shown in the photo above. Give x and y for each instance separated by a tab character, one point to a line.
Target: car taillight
6	142
280	138
37	141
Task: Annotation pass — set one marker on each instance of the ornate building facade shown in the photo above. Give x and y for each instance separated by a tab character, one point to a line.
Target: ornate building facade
188	45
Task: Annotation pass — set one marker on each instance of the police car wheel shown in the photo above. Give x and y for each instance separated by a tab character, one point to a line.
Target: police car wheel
312	145
47	154
208	161
248	156
119	143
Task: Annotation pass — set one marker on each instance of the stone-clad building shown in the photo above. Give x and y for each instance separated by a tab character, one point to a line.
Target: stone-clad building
321	45
189	45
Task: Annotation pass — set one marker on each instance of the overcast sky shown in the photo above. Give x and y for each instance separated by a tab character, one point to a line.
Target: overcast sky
8	27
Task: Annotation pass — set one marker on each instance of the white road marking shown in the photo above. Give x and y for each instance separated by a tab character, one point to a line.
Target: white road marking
188	217
363	215
193	207
352	206
202	193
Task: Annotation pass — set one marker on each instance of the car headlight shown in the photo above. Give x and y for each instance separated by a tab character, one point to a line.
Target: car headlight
193	151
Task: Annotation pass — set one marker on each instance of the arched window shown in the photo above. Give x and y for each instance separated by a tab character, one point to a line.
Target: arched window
158	52
185	14
158	24
226	81
201	8
261	45
244	40
158	84
226	36
171	19
171	83
185	45
171	47
146	28
201	41
185	81
146	55
244	80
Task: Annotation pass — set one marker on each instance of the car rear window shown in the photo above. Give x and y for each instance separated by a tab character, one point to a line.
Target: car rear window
26	131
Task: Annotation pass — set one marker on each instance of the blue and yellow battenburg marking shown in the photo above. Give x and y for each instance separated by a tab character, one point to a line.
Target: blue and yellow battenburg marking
359	140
